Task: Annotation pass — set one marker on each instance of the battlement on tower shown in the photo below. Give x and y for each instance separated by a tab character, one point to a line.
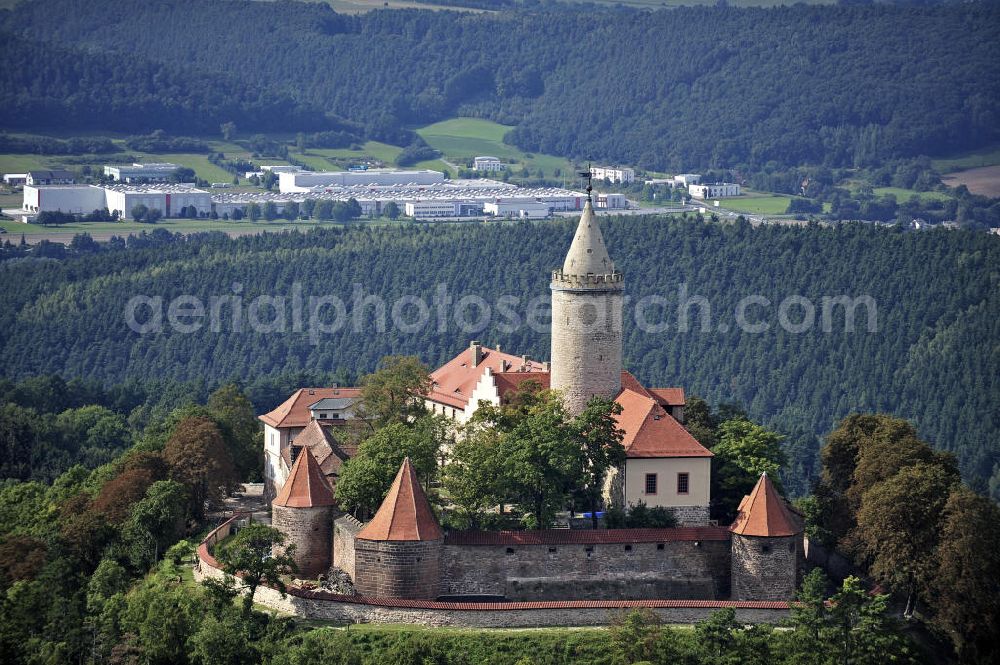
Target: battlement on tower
615	280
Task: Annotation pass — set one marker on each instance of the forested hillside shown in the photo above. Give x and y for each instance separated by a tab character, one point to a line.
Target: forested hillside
933	358
833	85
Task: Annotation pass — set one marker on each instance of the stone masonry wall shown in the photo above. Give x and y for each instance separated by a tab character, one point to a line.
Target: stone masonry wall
453	614
764	568
341	609
586	344
311	531
681	569
345	529
397	569
690	515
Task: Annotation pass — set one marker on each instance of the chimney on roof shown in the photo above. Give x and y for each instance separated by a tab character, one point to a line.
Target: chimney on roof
546	366
477	352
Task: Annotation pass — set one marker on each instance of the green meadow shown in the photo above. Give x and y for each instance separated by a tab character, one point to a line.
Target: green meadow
461	139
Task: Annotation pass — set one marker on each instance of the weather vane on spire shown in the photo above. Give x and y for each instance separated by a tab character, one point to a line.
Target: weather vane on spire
589	176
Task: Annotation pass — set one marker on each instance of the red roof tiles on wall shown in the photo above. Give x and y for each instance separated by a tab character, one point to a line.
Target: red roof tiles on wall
587	536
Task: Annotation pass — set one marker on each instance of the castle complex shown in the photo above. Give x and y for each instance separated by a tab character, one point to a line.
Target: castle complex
403	553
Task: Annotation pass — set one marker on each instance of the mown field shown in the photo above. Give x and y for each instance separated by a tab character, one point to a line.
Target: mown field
464	138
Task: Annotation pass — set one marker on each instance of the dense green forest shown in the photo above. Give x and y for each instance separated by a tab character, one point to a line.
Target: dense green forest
833	85
932	359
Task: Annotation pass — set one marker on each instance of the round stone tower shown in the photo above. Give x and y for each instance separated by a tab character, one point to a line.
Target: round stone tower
587	297
766	546
398	553
303	511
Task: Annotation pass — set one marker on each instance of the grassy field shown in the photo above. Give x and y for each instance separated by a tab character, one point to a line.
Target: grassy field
970	160
905	194
757	204
460	139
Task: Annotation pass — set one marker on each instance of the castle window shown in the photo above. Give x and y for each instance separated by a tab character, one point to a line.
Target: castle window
765	548
660	546
682	483
650	483
510	550
552	550
588	549
628	548
791	546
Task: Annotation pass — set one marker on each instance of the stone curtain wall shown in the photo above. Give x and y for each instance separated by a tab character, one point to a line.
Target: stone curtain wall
348	609
764	568
311	531
398	569
682	569
345	529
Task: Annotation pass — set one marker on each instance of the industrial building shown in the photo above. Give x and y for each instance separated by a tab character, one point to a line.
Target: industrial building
623	175
488	164
52	177
714	191
446	198
15	179
304	181
84	199
685	179
140	173
75	199
170	200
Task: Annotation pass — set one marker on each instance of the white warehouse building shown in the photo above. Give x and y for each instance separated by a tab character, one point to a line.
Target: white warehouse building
138	172
624	175
714	191
168	199
305	181
519	209
488	164
74	199
425	209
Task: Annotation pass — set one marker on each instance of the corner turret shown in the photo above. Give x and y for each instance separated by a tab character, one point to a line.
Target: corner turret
398	553
766	546
303	511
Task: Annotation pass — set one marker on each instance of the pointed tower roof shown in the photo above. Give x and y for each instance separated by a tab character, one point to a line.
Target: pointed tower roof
588	254
405	514
306	486
763	512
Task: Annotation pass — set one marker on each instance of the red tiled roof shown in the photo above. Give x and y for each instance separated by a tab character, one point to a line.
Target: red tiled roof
294	411
306	486
668	396
586	536
652	432
629	382
508	382
330	454
764	513
405	514
453	382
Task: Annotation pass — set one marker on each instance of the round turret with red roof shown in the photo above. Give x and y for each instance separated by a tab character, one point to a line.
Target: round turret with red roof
398	553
